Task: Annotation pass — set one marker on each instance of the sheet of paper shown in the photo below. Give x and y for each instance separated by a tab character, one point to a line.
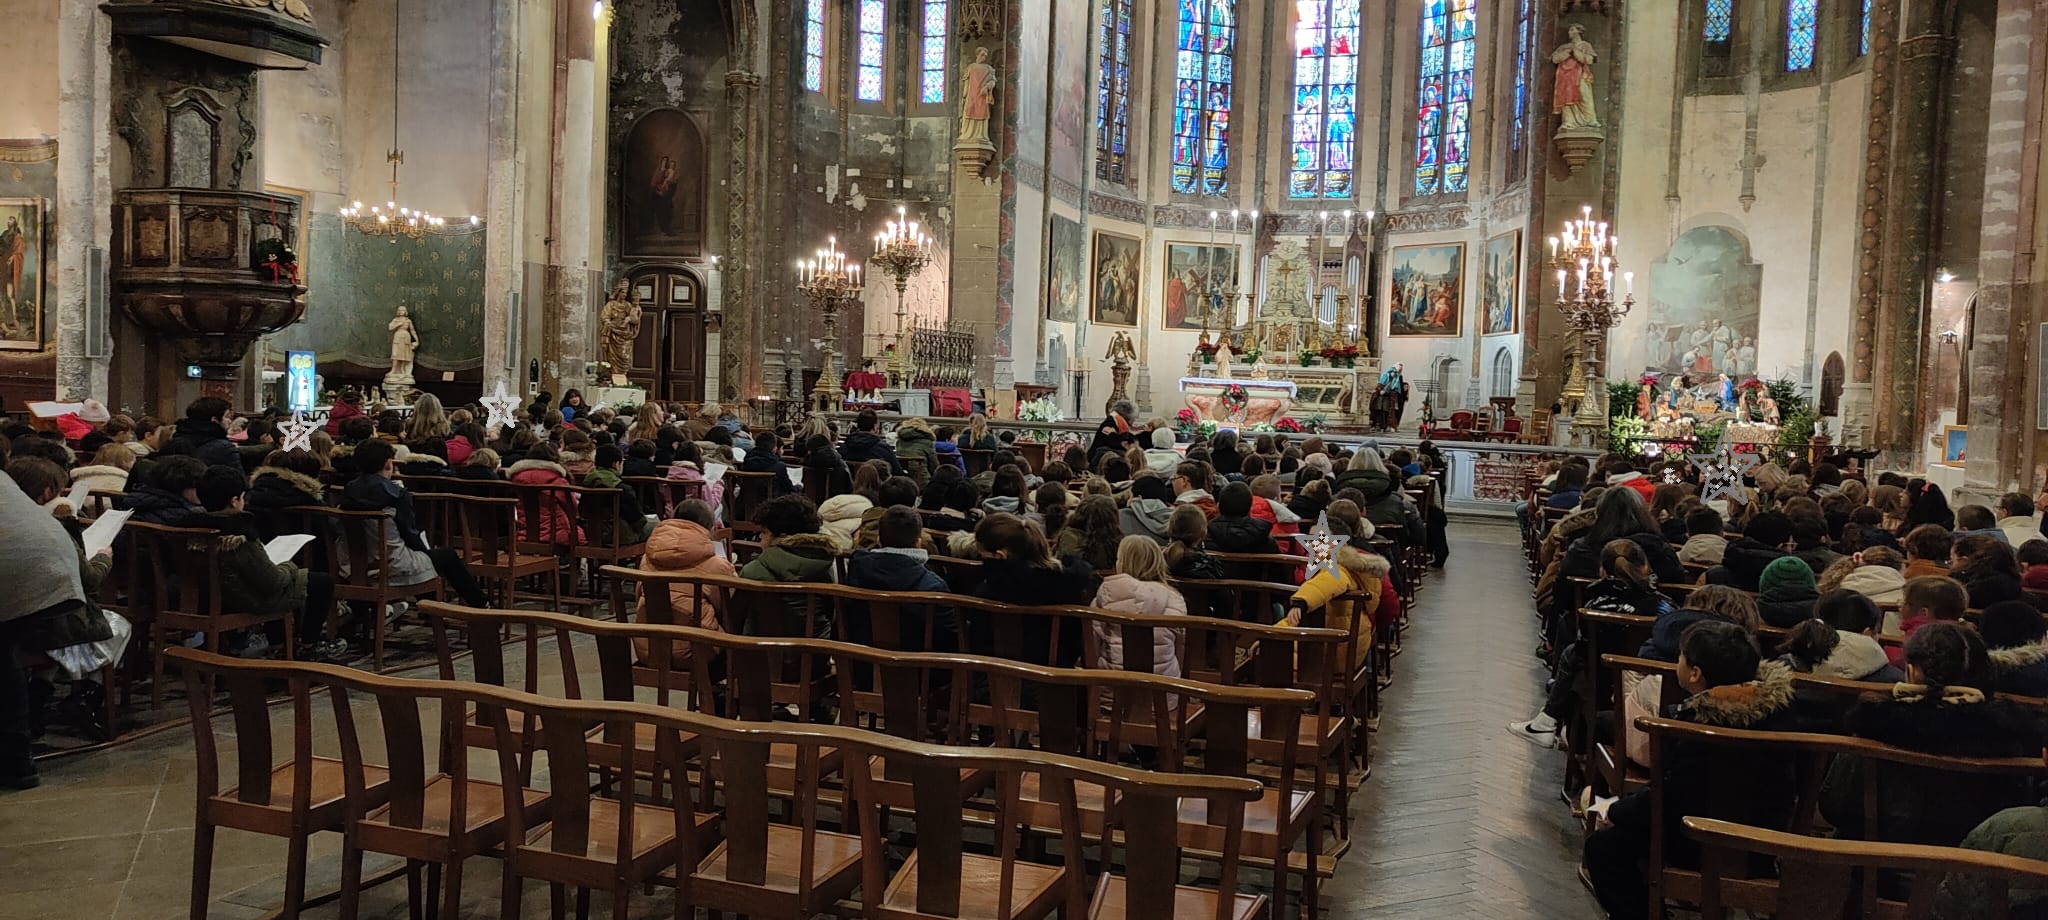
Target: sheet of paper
796	475
714	472
53	409
103	531
80	492
285	547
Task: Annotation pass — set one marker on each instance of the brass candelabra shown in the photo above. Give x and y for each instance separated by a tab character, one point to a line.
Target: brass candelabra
1585	251
901	251
830	282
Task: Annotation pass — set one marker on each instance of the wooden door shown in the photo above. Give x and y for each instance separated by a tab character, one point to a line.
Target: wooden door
668	357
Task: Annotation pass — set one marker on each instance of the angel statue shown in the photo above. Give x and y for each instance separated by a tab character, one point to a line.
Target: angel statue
1121	354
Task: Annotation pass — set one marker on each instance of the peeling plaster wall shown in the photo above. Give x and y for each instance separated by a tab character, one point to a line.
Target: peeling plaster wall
29	46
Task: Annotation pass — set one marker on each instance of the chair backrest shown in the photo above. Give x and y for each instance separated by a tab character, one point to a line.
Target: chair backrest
746	492
540	503
255	743
356	554
602	513
1279	568
1817	876
166	553
977	460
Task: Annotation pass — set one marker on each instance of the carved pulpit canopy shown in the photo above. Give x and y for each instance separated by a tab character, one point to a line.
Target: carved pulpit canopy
270	34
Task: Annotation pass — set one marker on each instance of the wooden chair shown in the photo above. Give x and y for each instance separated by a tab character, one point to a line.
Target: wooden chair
540	503
483	529
660	495
607	535
745	492
360	562
294	796
1817	877
1276	568
180	568
977	460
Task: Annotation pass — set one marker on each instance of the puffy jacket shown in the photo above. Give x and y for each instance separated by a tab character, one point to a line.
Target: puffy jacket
1283	518
1356	572
206	440
249	581
1011	582
1786	606
1150	598
156	506
1384	503
557	508
1987	588
1241	535
796	558
841	514
714	492
1200	498
1146	517
2022	671
912	442
1881	583
1742	563
272	491
949	453
1636	481
763	461
1162	461
1703	549
1957	722
894	569
341	412
678	545
403	539
101	478
862	446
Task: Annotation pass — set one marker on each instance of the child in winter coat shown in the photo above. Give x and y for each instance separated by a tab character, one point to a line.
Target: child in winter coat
1139	586
683	544
947	449
794	551
1927	599
1349	591
898	564
609	474
557	507
1626	586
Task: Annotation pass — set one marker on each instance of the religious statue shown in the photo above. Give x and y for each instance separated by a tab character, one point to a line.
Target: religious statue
1644	398
977	100
1727	393
1573	98
1768	407
1224	355
1121	354
620	325
1389	399
404	341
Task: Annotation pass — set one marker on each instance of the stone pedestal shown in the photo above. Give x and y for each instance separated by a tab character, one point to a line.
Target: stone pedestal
1578	147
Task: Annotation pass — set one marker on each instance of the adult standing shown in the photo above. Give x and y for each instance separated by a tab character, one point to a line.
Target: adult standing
1116	434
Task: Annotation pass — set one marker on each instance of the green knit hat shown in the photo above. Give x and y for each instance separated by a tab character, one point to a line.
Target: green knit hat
1785	572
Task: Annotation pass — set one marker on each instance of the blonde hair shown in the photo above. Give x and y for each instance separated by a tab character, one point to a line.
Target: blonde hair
977	429
1831	578
427	421
1096	485
483	456
1140	557
913	424
646	424
114	455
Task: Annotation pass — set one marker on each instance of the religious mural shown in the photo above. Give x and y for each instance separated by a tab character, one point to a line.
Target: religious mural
1500	281
1705	295
1117	269
661	188
1188	270
1063	304
1428	290
21	274
1070	50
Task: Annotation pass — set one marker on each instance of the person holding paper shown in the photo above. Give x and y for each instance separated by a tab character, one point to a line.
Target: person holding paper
689	466
250	581
767	458
47	607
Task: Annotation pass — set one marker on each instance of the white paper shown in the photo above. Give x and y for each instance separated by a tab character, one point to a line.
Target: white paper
80	492
103	531
53	409
285	547
715	472
796	475
739	454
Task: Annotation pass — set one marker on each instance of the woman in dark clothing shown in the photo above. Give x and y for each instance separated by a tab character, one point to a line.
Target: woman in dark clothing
1986	568
1618	515
1311	494
1925	504
822	459
1017	568
1224	454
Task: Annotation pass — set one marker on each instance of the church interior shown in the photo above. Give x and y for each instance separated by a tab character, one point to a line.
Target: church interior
373	370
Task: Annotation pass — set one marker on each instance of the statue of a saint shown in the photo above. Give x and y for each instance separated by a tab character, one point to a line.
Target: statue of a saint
1121	354
977	100
1224	355
1573	97
620	325
404	341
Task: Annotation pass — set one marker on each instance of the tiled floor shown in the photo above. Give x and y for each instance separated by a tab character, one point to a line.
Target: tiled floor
1458	820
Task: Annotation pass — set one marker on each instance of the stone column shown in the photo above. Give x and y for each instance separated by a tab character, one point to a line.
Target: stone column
1908	210
505	186
568	301
1858	394
2001	368
85	195
743	330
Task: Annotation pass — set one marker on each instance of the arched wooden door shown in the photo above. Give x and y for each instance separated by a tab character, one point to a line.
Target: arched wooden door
668	357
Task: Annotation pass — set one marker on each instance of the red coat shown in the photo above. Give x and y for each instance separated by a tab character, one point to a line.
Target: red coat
1637	481
341	412
557	509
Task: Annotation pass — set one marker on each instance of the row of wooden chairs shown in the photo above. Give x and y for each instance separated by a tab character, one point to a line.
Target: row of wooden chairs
593	827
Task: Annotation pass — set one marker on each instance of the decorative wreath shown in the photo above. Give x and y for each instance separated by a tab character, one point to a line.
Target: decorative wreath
1234	398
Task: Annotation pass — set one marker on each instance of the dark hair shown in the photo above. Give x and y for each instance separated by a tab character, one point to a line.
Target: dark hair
1008	482
36	476
45	448
302	462
1193	472
867	478
390	422
206	409
1634	564
220	485
1983	552
1236	500
1052	505
1011	534
2017	503
642	449
1058	471
1115	469
570	395
1771	528
1571	476
866	420
1665	499
1251	466
1942	597
963	497
436	446
357	429
944	433
1975	517
609	455
1826	474
1723	652
371	455
697	511
1839	611
1619	513
900	528
1809	526
787	515
1703	521
257	430
896	490
1927	505
174	474
1928	541
1950	655
2031	553
1152	487
2011	624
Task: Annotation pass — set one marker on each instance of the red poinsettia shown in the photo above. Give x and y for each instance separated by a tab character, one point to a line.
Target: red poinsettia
1287	424
1750	384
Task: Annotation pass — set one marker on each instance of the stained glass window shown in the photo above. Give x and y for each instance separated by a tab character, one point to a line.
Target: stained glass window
1720	24
933	60
1802	31
1443	111
814	46
1518	119
868	76
1113	91
1325	98
1863	46
1201	96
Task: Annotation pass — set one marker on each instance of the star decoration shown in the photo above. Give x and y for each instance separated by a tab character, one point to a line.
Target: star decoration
298	433
504	409
1722	473
1322	546
1671	476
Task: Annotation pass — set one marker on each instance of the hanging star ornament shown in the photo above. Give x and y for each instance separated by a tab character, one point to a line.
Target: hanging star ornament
504	409
1722	473
1322	546
298	433
1671	477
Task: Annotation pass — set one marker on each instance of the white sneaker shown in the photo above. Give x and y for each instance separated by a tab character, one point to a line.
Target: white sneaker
1531	732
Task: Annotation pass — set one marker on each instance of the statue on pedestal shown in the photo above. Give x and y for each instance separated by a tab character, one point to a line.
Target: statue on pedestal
404	342
620	325
1579	132
977	104
1121	353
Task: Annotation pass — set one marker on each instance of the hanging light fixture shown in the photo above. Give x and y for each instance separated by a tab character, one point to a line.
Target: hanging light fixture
393	219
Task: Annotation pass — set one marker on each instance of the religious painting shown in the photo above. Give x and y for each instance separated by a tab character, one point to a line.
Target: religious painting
1501	279
661	187
1116	270
1064	293
1427	290
21	274
1955	444
1069	126
1189	293
1705	296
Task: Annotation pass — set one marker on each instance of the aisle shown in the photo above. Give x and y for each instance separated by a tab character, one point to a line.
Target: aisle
1459	819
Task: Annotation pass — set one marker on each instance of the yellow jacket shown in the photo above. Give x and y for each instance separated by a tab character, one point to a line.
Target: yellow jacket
1357	574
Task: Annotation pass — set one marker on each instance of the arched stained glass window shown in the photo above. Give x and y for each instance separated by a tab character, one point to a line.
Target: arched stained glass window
1325	98
1202	96
932	60
1802	33
814	45
1443	111
1518	120
873	45
1113	91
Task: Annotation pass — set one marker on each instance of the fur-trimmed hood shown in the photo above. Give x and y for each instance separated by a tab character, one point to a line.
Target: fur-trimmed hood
2013	659
1746	704
528	466
299	481
1368	566
1856	657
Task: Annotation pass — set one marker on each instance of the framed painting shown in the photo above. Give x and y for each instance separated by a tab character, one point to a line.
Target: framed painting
1064	293
1117	267
661	187
1189	268
21	274
1426	288
1502	279
1955	444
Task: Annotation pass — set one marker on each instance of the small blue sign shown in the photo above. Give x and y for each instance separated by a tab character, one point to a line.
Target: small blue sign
302	389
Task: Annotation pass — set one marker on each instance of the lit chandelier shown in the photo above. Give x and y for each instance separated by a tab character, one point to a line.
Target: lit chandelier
1590	310
392	219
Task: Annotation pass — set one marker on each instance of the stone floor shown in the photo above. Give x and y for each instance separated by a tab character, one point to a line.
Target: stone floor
1458	819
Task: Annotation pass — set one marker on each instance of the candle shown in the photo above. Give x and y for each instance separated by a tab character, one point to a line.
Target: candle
1553	249
1629	279
1560	283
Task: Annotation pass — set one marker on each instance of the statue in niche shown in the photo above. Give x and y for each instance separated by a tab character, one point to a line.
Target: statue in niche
620	325
404	342
977	100
1573	99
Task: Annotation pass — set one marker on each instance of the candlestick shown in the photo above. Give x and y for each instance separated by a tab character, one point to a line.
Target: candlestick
1629	280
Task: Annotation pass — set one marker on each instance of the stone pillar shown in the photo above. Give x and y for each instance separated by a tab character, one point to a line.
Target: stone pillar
983	267
1859	393
744	328
2001	368
567	299
85	195
1908	210
505	188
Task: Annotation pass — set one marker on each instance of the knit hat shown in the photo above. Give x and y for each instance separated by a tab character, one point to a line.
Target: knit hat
1785	572
92	410
2035	578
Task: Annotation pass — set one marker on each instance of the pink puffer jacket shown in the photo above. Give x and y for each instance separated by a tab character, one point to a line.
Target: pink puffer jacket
1150	598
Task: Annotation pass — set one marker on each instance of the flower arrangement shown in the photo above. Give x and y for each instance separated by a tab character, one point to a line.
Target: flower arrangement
1251	355
1752	384
1288	424
1647	380
1184	423
1042	410
1308	357
1206	351
1339	355
1316	422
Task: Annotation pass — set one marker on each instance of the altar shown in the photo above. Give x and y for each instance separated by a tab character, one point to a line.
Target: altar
1229	401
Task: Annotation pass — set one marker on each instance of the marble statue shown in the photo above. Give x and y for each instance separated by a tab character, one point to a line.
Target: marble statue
620	325
977	100
1121	353
404	341
1574	87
